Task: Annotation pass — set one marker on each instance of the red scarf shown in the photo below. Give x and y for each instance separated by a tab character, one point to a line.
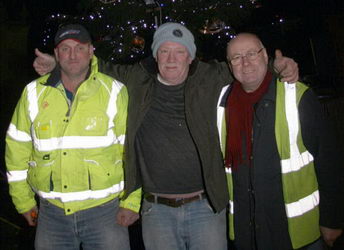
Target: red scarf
239	116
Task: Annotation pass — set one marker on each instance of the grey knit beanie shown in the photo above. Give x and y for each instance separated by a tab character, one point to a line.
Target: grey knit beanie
174	32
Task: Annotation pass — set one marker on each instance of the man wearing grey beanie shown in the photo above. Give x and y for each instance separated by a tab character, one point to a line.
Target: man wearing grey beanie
172	144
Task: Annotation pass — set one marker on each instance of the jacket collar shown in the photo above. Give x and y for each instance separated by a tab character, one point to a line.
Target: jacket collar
270	95
55	75
87	88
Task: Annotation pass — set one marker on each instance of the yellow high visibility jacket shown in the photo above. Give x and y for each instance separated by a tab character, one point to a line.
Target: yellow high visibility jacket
69	153
299	181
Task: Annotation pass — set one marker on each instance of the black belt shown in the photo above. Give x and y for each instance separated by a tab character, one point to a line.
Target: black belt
173	202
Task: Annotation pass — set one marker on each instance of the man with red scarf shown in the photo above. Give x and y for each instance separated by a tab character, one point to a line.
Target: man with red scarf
284	182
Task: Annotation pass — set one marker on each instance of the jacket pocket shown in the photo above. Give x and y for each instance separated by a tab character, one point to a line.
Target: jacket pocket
43	130
104	174
40	176
93	124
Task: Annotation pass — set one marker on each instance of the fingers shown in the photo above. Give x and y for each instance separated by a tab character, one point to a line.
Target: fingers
126	221
31	216
278	54
286	67
43	63
38	53
330	235
290	73
126	217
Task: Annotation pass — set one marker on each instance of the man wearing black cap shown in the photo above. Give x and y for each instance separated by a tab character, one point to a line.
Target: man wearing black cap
65	144
172	144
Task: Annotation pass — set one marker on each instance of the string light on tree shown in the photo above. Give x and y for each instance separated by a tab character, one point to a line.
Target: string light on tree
108	1
122	30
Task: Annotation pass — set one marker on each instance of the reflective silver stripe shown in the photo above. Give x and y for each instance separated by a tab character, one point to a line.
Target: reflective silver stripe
303	205
32	99
292	115
112	108
297	160
112	104
296	163
82	195
231	203
73	142
231	207
18	135
221	115
16	175
120	139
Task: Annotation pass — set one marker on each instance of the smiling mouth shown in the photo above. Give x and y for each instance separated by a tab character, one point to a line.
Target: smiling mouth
171	67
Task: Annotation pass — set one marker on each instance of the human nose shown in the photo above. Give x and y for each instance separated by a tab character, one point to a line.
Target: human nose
72	54
244	59
170	57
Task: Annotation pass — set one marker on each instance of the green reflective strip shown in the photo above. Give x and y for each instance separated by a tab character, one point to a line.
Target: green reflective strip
281	124
304	229
300	188
223	136
231	203
304	180
301	89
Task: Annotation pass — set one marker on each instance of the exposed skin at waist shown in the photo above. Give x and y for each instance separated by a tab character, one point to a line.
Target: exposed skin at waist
174	196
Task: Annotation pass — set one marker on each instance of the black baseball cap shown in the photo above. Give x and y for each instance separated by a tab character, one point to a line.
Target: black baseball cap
72	31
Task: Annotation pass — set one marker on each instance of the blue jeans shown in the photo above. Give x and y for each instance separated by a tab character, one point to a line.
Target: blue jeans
190	226
316	245
93	228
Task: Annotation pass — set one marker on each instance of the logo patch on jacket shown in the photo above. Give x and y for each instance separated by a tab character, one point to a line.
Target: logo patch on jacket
45	104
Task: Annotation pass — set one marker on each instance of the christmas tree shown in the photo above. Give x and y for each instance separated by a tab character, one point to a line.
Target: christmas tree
122	30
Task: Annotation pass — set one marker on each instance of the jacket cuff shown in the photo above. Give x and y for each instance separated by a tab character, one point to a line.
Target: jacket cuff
23	208
133	201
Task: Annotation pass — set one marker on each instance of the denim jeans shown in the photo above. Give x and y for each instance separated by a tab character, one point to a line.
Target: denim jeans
316	245
190	226
93	228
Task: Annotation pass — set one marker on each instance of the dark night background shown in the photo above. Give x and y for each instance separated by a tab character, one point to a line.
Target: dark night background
312	32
